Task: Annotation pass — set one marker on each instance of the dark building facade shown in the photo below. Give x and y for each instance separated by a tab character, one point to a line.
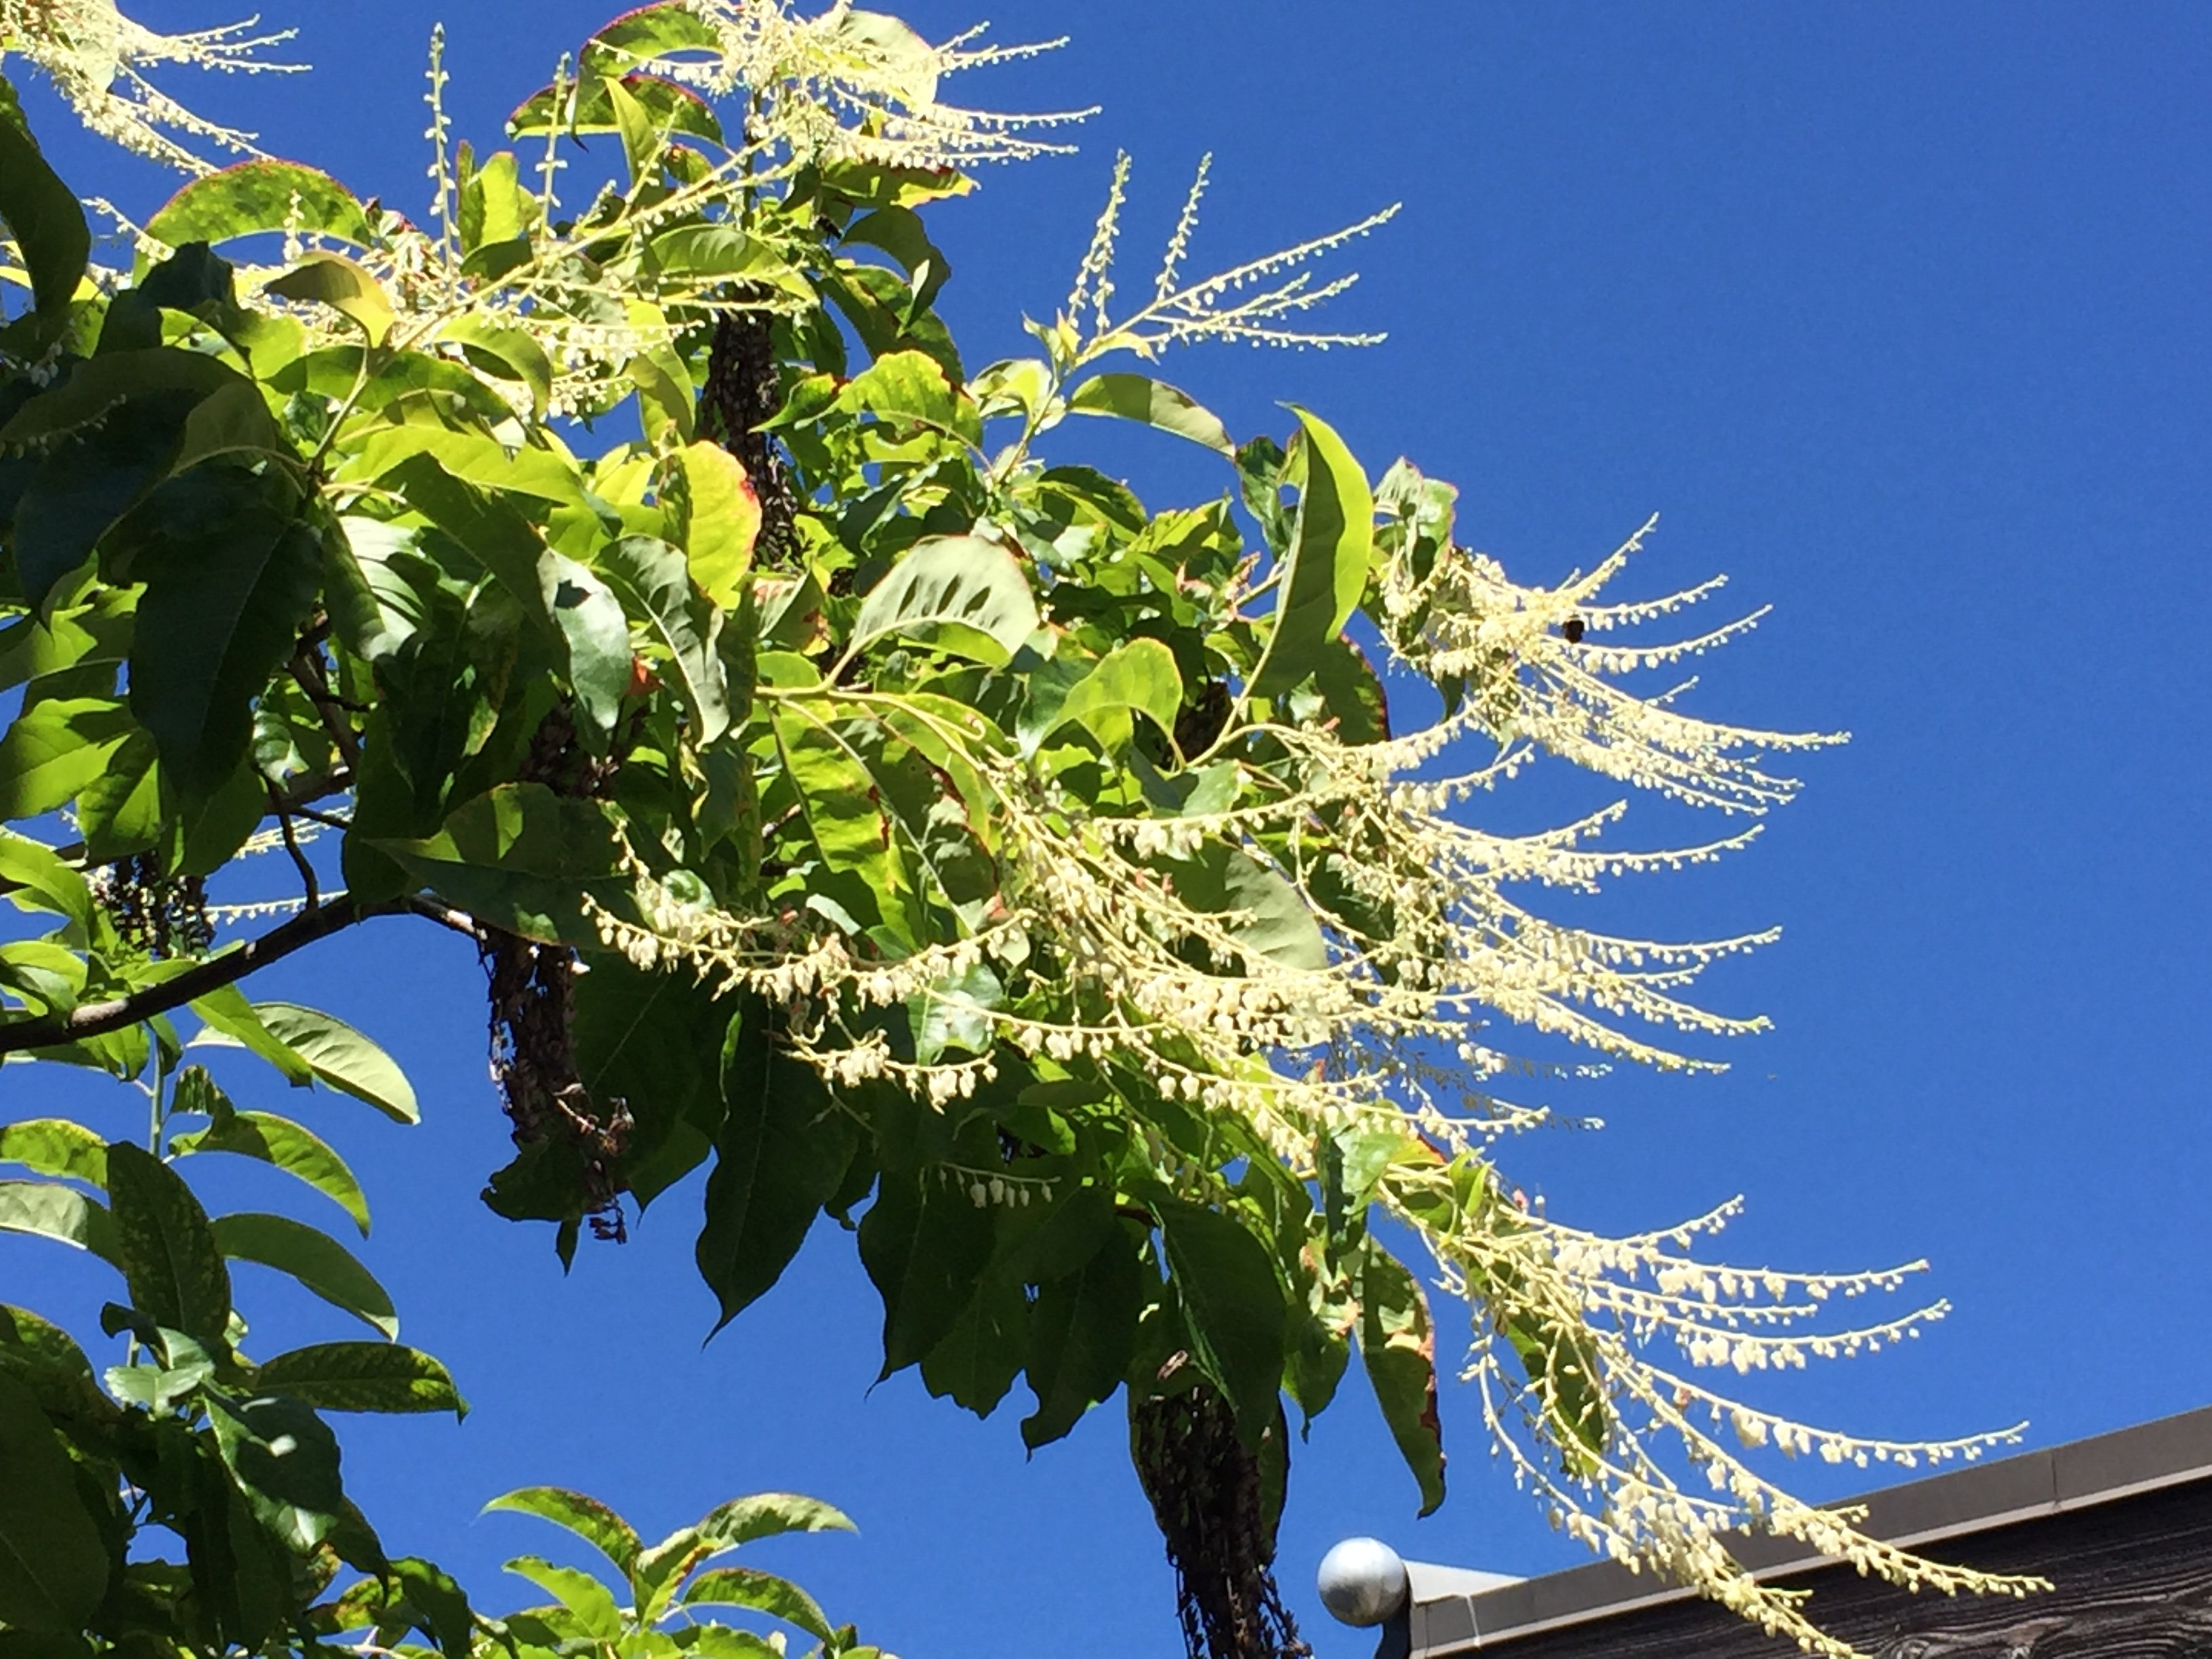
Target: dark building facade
2121	1525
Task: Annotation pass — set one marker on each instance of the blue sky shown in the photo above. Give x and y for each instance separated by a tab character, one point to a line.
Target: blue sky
1896	314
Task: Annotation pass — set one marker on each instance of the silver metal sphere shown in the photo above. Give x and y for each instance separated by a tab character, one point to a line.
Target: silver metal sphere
1362	1582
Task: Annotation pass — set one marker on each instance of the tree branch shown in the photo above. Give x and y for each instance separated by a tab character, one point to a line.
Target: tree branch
98	1018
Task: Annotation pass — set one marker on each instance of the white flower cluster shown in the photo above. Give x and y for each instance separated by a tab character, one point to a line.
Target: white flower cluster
98	60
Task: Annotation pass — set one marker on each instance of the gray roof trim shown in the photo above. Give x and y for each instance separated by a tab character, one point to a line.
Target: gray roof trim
2168	1452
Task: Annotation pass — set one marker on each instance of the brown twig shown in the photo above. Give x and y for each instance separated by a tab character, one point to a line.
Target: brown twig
292	846
93	1019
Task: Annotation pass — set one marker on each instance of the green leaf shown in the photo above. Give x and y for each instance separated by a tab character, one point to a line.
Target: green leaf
121	810
43	216
586	1518
722	1641
925	1242
62	1214
231	1019
655	584
1232	1301
417	1595
1397	1345
57	751
343	1058
98	388
53	1563
1137	677
841	813
56	1147
708	255
469	458
37	876
518	856
1083	1331
641	138
1325	571
258	196
909	385
286	1145
767	1514
783	1148
42	972
596	1613
1274	920
343	285
960	594
653	1041
511	354
899	232
171	1259
312	1257
763	1592
46	1360
284	1461
667	106
229	578
362	1376
1151	402
977	1360
494	207
721	523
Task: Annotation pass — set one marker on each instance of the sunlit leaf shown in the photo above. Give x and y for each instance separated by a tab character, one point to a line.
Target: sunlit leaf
312	1257
960	594
1324	570
586	1518
1151	402
257	195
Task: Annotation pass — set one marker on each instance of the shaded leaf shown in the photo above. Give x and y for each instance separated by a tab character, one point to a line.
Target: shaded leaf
518	856
976	1361
1397	1344
362	1376
1232	1302
345	286
284	1461
48	226
229	578
1083	1331
784	1145
171	1259
925	1242
1274	920
53	1563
